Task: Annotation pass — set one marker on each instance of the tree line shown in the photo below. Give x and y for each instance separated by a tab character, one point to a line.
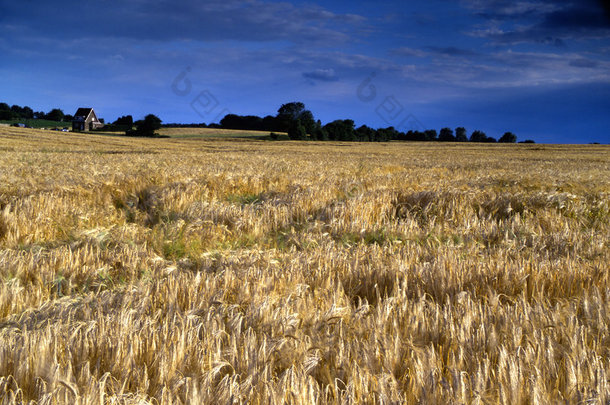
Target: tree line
143	128
300	124
16	112
291	118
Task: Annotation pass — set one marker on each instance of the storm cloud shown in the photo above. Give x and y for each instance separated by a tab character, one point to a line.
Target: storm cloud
252	56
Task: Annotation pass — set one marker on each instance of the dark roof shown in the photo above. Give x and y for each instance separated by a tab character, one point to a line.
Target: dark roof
83	112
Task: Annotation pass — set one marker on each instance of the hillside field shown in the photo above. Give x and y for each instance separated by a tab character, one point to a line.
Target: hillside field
202	133
216	271
38	123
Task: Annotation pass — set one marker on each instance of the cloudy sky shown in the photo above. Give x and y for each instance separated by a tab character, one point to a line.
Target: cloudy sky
538	68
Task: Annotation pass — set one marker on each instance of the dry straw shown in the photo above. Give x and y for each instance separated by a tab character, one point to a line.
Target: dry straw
210	271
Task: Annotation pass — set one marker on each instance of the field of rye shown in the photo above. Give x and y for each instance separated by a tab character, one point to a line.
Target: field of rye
189	270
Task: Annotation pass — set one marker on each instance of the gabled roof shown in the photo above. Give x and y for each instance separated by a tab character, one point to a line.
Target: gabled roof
83	112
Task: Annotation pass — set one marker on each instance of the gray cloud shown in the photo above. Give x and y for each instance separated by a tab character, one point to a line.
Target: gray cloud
507	9
452	51
409	52
431	51
584	63
509	69
540	21
165	20
325	75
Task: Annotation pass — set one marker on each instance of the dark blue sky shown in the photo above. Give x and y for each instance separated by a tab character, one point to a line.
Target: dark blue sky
535	67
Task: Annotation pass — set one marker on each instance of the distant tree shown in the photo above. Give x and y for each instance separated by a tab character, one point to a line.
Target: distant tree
416	136
365	134
55	115
508	137
446	135
288	113
27	112
126	120
461	135
490	139
308	121
247	122
252	122
231	121
150	125
341	130
39	115
269	123
6	115
291	110
320	134
146	127
385	134
123	123
297	131
69	118
17	111
430	134
478	136
527	141
411	135
389	134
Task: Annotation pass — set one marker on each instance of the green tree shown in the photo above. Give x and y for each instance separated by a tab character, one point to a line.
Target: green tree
297	131
508	137
365	134
341	130
320	134
461	135
291	110
126	120
478	136
288	113
27	113
308	121
430	134
6	115
146	127
17	110
446	135
55	115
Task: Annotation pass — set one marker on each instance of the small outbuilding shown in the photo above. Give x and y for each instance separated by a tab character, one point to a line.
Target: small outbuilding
85	120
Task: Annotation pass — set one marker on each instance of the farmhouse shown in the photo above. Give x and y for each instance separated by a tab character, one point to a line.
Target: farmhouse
85	120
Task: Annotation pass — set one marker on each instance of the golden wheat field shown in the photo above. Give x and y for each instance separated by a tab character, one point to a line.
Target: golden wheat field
202	271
